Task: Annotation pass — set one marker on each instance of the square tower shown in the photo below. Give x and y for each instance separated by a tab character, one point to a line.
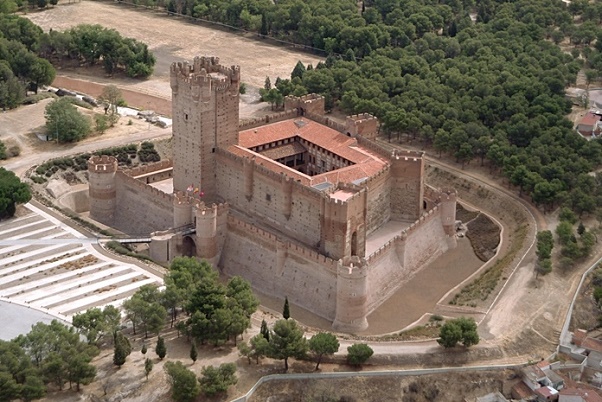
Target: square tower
205	117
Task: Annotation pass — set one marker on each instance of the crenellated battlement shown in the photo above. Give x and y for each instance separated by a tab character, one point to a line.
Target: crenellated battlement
352	266
374	147
404	234
214	209
364	125
326	121
102	164
312	103
406	155
267	119
150	168
202	72
357	119
135	184
377	176
182	198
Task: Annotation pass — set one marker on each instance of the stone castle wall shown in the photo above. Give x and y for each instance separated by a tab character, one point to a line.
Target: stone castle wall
281	203
280	268
398	260
142	209
379	200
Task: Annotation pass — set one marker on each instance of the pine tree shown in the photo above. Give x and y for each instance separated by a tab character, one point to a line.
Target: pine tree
122	349
264	30
193	353
264	330
286	313
267	85
143	350
160	349
148	367
298	71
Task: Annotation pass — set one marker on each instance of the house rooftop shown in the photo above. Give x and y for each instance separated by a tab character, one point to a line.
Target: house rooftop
592	344
546	392
590	119
585	394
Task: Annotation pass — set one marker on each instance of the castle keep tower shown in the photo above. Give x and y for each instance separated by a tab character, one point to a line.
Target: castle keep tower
205	117
101	188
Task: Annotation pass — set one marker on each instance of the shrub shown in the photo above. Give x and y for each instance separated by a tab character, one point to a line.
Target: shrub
358	353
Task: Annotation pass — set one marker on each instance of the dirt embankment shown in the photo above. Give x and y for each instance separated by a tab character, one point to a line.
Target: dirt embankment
514	218
432	388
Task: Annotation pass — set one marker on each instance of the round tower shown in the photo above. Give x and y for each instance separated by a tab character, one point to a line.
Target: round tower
206	232
182	210
352	295
101	190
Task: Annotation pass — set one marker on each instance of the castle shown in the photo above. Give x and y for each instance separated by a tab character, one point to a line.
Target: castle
298	204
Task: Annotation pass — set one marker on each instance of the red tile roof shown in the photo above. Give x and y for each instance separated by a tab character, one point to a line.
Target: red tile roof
592	344
365	163
283	151
590	119
521	391
585	394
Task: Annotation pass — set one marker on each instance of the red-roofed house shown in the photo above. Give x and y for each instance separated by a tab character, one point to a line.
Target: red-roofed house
588	124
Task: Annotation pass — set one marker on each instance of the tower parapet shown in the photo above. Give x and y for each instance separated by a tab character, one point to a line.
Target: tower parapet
363	124
307	104
183	213
101	190
352	295
407	185
205	106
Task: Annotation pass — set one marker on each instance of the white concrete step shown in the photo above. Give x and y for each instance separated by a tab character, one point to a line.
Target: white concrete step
100	298
32	271
45	284
50	301
41	250
22	226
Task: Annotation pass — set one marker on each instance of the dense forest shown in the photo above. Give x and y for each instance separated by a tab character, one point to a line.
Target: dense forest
480	80
27	55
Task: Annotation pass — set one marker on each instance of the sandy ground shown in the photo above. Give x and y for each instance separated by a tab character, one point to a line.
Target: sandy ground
172	39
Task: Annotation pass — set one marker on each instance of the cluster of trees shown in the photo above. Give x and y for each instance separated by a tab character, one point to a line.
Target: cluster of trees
492	90
26	53
573	248
20	66
48	354
64	122
12	192
459	330
286	340
94	44
217	312
185	386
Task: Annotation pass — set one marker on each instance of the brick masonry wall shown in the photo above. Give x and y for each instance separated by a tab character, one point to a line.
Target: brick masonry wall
142	209
379	201
281	269
398	262
267	201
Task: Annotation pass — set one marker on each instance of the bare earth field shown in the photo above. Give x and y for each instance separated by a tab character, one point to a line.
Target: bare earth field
172	39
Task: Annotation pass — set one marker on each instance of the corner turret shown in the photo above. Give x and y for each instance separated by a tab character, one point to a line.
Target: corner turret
101	190
352	295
